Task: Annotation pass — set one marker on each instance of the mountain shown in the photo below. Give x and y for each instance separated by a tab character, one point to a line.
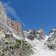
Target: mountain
12	39
51	41
45	46
16	42
10	25
38	34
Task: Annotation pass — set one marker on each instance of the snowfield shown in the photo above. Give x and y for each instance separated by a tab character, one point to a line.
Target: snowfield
40	49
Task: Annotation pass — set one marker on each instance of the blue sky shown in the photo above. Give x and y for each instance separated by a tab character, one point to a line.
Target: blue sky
35	14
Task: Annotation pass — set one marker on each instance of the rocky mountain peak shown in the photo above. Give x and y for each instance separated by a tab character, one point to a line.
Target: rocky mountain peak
7	24
51	41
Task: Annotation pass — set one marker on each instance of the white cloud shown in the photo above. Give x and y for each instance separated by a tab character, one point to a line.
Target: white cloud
11	11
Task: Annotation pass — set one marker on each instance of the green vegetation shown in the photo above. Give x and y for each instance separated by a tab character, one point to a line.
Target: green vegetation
17	44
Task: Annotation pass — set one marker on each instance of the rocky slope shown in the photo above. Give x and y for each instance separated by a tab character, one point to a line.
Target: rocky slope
45	46
15	42
12	40
51	41
9	46
38	34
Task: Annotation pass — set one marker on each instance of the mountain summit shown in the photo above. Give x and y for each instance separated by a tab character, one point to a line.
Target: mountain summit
16	42
11	26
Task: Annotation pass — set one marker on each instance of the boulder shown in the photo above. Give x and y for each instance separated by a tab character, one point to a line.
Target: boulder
31	37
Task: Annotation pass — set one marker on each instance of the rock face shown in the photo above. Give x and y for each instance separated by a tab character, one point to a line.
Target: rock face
9	30
9	25
3	14
6	44
31	37
51	42
9	46
39	34
4	28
